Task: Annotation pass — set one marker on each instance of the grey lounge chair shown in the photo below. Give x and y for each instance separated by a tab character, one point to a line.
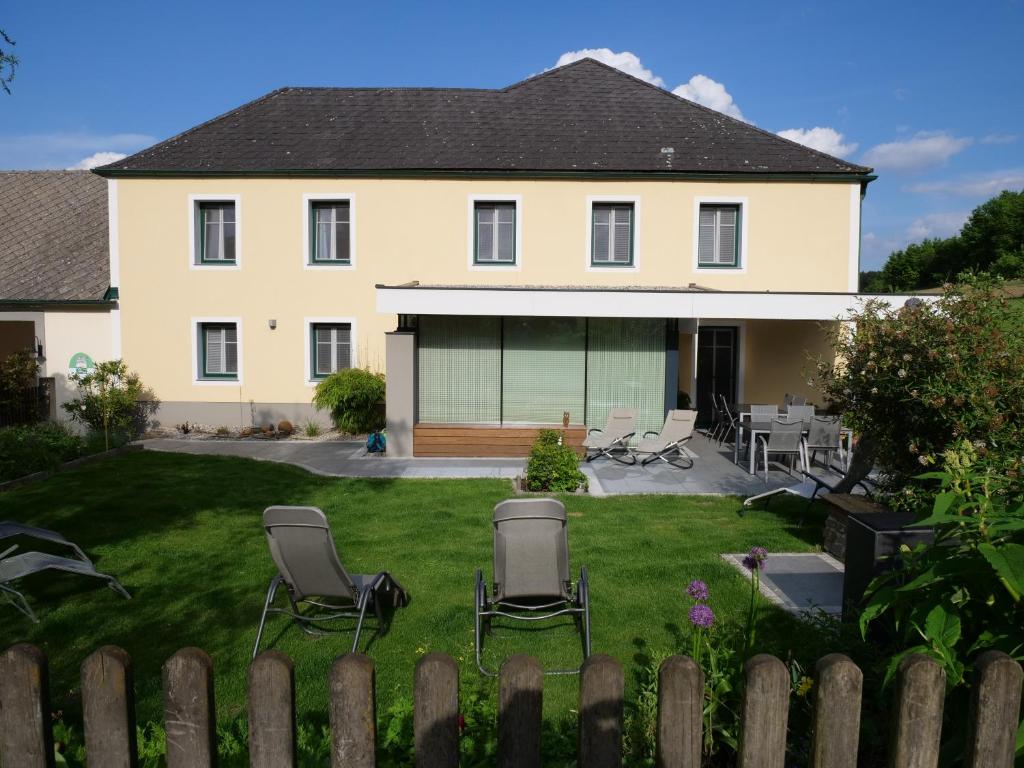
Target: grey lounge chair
531	573
677	431
614	438
307	564
9	530
14	567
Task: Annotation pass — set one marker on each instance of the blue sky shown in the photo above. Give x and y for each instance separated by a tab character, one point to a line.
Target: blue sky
928	93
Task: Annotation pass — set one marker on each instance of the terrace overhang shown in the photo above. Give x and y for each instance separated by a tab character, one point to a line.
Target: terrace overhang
602	301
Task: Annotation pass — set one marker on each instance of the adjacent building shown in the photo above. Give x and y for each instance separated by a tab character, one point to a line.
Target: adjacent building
574	242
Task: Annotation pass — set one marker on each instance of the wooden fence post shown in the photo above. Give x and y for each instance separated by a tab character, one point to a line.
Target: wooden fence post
520	712
271	700
680	713
918	726
836	730
108	708
26	735
436	711
601	692
765	713
995	711
189	717
353	712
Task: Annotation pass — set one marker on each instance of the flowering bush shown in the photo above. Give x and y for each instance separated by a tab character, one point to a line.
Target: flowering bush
915	380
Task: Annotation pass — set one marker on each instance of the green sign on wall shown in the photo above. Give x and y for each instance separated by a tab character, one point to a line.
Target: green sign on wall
80	365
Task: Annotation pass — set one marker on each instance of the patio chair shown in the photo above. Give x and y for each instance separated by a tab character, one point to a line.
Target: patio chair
728	421
784	438
307	563
763	412
787	400
9	530
716	419
614	438
531	573
15	567
798	400
802	413
678	429
824	434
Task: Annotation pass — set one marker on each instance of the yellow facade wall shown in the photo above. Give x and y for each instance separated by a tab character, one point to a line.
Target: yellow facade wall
798	239
780	357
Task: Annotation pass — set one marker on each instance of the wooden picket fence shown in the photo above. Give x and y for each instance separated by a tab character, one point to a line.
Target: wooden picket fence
26	739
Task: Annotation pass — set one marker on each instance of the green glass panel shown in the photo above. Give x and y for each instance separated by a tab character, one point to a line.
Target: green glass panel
459	370
626	369
544	370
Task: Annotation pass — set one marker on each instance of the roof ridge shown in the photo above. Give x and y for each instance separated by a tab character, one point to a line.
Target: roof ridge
386	88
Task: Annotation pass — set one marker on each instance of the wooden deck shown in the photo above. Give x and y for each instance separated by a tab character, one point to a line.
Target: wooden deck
486	440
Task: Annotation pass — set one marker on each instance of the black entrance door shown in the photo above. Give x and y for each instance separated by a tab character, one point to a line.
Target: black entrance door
716	367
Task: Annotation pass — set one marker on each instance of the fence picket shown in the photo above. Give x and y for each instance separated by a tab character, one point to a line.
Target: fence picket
836	730
995	711
918	713
436	711
680	713
26	736
108	708
271	703
520	710
765	713
601	703
189	717
353	712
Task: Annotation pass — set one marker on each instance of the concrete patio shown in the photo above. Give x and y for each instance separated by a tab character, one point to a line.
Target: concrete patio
713	470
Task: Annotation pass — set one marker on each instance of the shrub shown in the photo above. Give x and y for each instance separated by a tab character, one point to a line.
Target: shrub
311	429
36	448
112	400
18	373
353	397
552	466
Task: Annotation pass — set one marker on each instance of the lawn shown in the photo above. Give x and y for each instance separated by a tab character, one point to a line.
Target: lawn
183	534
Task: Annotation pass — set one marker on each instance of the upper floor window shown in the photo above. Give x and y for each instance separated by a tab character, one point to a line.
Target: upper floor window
218	345
217	236
331	241
494	233
611	240
718	238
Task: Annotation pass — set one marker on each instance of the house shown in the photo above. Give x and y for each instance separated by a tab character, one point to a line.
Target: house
576	241
55	294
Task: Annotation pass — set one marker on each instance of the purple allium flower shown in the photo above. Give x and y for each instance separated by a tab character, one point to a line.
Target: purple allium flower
702	616
756	559
698	590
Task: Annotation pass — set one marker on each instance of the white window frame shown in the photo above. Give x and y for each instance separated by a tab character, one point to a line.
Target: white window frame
471	234
194	257
744	213
626	199
307	324
197	359
307	246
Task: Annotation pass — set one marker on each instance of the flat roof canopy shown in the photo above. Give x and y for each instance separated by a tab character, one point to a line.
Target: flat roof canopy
535	301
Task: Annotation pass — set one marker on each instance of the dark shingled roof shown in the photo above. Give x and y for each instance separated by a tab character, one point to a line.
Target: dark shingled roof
53	236
585	117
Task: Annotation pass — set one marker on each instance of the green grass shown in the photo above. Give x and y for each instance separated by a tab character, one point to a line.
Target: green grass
183	534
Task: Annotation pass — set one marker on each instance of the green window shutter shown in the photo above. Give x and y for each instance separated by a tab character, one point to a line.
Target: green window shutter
459	369
626	369
544	369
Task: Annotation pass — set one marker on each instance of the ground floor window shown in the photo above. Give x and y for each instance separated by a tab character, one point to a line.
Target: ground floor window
218	343
531	370
331	348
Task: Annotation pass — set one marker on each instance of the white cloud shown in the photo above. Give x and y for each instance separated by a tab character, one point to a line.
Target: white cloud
624	60
827	140
921	151
710	93
936	225
977	185
97	159
63	150
1000	138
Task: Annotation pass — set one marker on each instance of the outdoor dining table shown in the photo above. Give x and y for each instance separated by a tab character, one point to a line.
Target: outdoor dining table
764	426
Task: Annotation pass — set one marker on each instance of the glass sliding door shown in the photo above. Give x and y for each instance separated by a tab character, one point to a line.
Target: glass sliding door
459	370
626	369
543	370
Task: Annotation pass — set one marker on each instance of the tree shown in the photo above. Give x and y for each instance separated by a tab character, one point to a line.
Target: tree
8	63
112	397
995	234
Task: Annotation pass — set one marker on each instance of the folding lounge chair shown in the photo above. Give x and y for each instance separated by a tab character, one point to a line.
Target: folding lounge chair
307	564
810	488
614	438
10	530
678	430
531	573
14	567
